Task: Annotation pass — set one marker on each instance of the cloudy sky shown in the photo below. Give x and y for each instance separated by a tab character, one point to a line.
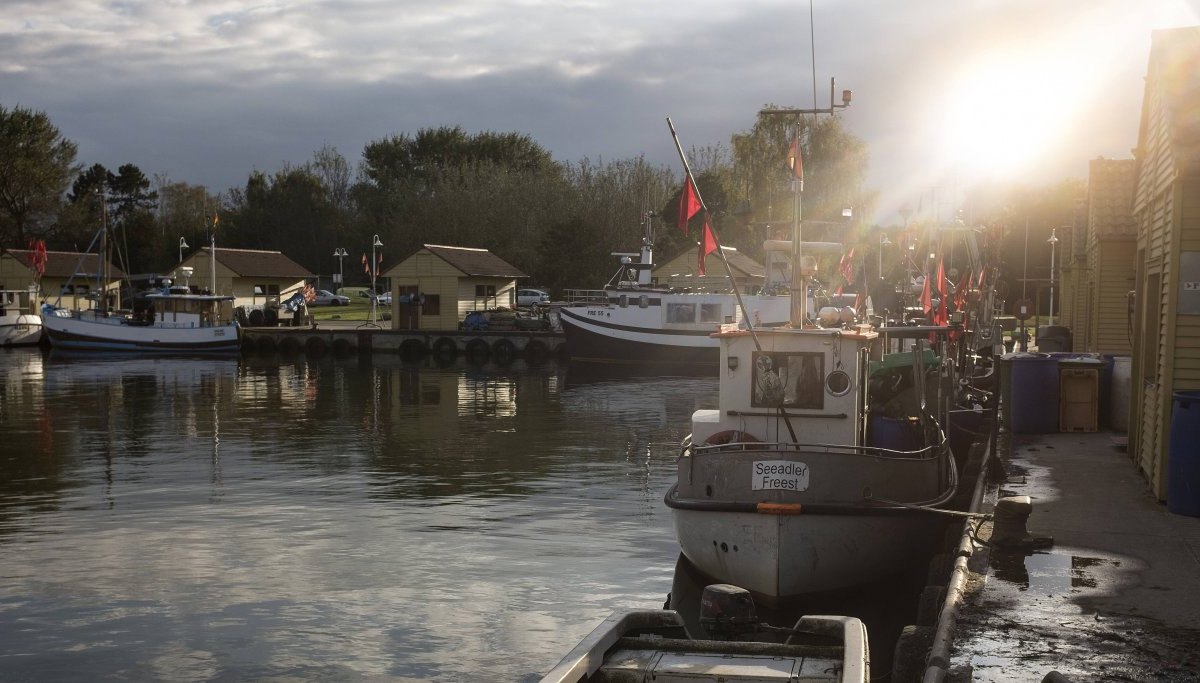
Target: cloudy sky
946	92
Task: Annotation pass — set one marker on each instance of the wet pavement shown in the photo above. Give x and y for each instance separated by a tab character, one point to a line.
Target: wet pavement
1115	598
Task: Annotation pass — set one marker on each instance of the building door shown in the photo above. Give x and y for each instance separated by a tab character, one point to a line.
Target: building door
408	308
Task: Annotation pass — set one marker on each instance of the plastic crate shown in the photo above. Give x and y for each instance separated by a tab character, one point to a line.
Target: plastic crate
1078	399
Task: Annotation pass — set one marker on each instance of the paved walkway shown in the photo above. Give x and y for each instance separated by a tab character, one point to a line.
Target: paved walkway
1116	598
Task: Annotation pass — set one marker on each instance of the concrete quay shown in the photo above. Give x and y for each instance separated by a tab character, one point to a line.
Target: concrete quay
1116	597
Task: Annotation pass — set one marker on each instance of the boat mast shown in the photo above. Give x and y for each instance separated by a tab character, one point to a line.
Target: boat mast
799	281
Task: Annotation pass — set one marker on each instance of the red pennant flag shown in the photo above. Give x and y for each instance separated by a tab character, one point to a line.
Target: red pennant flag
960	292
689	204
846	265
926	297
709	245
366	265
796	161
942	316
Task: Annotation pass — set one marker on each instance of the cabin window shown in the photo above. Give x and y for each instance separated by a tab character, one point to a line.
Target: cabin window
485	291
710	313
788	380
681	313
432	304
623	301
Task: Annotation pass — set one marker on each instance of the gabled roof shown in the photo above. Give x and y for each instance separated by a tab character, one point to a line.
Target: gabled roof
740	263
474	262
258	263
64	264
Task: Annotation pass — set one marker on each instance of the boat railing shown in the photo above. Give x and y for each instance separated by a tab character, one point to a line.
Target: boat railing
586	297
930	452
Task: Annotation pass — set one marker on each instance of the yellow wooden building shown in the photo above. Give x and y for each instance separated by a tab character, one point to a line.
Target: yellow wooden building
1110	249
254	277
435	287
1166	212
683	272
68	280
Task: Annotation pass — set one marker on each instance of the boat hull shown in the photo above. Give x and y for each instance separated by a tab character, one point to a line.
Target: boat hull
20	330
650	335
112	334
832	522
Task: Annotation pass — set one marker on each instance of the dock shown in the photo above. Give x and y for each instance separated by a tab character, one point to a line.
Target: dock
345	338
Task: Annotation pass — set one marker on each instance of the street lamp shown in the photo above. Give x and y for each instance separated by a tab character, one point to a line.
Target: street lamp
883	242
340	253
1053	243
374	267
182	245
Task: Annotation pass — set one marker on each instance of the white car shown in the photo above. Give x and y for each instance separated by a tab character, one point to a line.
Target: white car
384	299
532	297
328	298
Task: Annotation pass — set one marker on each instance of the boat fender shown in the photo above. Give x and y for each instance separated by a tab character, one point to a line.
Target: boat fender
730	436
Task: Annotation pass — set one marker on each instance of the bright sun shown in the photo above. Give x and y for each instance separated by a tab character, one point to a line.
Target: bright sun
1006	111
1002	114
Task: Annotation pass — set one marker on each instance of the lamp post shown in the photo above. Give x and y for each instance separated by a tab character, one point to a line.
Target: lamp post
883	242
374	267
340	253
182	245
1053	243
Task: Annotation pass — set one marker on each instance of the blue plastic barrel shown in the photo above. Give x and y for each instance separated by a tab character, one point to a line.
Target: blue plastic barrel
1183	456
894	433
1034	393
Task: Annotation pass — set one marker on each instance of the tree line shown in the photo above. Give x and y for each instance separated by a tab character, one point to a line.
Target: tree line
557	221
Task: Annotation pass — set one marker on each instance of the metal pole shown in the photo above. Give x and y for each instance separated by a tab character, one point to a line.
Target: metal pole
1053	243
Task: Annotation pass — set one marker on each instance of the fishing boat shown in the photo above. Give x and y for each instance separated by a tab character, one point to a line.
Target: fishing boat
166	318
634	321
20	325
654	645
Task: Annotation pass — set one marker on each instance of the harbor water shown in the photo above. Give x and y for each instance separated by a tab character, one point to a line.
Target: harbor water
353	518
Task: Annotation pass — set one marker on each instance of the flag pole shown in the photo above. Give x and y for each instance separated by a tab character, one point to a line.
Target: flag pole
687	169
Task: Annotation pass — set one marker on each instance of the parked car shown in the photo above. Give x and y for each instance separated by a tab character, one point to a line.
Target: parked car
328	298
532	297
384	299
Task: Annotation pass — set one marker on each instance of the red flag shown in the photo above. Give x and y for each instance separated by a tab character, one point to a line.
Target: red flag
796	161
689	204
942	316
846	265
960	292
366	266
39	257
709	245
926	297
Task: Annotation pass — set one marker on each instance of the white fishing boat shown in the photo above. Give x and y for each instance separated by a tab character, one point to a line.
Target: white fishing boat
654	645
167	318
800	481
633	321
20	325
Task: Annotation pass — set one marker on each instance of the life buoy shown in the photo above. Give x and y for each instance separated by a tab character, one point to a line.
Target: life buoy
730	436
315	346
478	350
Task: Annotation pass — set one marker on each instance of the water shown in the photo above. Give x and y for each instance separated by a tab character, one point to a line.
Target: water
185	520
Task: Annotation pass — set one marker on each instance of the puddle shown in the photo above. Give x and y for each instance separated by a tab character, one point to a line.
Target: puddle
1047	573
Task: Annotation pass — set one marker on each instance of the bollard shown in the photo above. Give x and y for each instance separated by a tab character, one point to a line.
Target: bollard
1008	525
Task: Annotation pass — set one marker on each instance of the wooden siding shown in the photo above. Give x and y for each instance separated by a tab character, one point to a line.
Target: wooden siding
1110	328
431	274
1186	375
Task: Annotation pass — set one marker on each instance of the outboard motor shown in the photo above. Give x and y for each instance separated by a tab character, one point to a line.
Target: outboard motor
727	612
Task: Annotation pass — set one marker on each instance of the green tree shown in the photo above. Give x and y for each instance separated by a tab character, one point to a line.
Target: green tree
36	166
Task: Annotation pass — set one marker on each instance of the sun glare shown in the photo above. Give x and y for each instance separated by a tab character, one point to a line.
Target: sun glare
1006	111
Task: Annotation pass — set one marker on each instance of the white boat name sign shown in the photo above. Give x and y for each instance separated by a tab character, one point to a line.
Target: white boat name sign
779	475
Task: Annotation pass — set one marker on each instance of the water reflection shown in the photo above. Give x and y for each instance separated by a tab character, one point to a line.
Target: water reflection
1047	573
175	519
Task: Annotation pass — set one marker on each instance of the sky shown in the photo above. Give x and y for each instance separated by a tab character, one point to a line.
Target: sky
947	93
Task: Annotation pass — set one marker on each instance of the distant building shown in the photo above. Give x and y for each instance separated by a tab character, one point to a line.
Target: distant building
69	277
683	272
435	287
255	277
1166	213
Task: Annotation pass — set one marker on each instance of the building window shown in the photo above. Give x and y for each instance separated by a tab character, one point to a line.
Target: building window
485	291
432	304
269	290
